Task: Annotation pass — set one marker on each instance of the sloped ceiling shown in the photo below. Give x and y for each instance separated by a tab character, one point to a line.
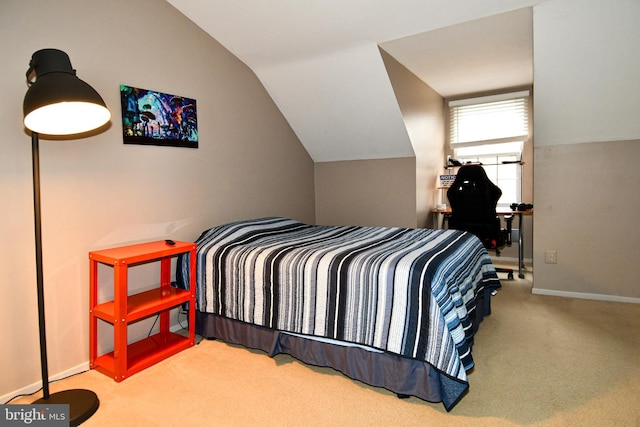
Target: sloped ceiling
320	60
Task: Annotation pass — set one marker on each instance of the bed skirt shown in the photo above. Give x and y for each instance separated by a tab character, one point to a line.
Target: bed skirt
400	375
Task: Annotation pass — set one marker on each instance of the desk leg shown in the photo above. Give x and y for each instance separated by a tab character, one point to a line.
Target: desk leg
520	248
440	220
435	217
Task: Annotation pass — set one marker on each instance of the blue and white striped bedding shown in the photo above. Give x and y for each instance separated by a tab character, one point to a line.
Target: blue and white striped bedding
410	292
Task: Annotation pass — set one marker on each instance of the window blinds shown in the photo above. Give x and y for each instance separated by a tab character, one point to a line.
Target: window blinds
489	119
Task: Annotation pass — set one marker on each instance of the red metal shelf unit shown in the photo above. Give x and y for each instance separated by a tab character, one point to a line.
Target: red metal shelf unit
127	359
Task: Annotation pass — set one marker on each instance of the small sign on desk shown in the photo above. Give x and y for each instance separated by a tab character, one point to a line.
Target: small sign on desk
447	180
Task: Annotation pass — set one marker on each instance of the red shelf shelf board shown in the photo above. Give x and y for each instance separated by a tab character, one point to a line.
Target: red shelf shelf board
144	304
144	353
142	252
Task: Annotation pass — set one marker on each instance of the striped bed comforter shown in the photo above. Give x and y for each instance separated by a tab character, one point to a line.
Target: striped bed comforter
410	292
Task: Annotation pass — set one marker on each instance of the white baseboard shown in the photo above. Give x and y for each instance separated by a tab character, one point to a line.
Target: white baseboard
497	259
583	295
31	389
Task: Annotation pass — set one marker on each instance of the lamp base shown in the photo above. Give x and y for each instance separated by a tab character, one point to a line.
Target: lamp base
82	404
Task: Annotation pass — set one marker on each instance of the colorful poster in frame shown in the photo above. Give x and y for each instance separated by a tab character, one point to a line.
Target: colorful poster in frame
155	118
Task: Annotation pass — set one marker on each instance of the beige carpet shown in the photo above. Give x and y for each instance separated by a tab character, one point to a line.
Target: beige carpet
540	361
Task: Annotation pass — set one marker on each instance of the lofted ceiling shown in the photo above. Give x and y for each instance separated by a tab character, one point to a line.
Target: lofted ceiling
320	60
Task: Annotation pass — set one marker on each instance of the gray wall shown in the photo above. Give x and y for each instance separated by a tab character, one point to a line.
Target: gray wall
587	151
366	192
389	192
98	192
423	115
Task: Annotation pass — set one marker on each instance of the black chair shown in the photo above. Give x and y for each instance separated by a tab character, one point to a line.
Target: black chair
473	198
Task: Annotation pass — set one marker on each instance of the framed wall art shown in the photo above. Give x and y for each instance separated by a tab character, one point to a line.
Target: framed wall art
156	118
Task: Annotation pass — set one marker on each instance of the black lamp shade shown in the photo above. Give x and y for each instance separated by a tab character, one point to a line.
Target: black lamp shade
58	102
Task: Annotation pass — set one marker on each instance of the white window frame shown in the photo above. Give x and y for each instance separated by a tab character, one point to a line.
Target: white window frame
499	155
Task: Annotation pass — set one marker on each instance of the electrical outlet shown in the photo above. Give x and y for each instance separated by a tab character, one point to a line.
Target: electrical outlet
551	257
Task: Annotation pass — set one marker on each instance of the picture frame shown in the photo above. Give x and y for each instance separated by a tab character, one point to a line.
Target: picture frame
150	117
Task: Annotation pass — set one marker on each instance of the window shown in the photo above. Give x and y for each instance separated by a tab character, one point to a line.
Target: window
492	131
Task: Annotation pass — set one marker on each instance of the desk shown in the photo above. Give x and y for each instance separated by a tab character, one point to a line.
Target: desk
447	212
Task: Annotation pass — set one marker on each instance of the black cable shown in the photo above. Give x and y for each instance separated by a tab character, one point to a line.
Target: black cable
186	328
186	313
154	324
50	382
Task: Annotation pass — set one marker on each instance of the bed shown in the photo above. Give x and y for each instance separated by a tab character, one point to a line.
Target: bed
392	307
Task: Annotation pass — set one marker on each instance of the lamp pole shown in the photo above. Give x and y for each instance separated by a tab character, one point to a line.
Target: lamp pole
35	155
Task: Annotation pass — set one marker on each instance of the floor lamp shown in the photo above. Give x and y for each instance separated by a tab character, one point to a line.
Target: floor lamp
58	103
